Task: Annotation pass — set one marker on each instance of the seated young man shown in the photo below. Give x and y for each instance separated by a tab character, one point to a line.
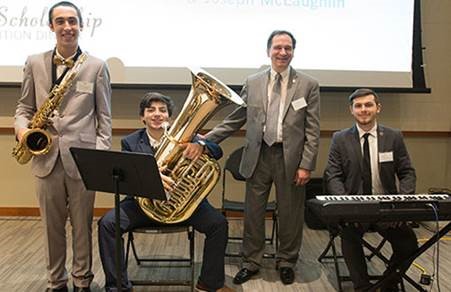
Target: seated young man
369	158
155	110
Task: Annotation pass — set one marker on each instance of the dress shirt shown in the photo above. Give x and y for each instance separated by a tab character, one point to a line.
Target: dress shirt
154	143
374	156
60	68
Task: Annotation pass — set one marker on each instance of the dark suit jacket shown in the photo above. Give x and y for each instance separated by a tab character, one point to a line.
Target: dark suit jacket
138	141
343	173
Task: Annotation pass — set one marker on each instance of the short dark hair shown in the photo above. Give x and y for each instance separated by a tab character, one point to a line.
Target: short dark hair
68	4
150	97
280	32
363	92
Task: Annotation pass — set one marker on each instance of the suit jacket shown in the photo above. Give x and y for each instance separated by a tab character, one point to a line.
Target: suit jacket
138	141
343	173
300	127
83	119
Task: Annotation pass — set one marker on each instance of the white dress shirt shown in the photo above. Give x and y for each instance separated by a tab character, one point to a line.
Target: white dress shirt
376	183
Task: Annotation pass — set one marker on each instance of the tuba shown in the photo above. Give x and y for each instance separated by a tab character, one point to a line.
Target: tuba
193	179
37	141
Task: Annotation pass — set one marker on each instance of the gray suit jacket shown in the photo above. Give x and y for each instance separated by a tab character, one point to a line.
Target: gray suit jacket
300	127
83	119
343	174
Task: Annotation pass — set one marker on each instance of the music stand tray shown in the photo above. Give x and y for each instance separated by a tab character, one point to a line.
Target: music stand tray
138	172
117	172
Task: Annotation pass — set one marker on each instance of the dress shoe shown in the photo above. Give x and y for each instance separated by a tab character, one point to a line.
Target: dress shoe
243	276
81	289
286	275
202	287
61	289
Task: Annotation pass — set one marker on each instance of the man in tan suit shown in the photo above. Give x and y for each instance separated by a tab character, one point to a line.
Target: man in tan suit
281	146
82	120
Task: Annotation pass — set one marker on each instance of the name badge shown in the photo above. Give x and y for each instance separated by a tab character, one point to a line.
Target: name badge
299	103
386	156
85	87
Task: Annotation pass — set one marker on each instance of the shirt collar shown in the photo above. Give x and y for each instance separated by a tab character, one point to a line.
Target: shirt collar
153	142
62	58
284	74
372	131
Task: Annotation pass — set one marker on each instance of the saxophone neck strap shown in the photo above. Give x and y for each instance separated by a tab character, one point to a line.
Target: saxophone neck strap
55	80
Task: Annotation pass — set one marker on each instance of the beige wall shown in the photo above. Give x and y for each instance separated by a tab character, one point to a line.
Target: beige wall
410	112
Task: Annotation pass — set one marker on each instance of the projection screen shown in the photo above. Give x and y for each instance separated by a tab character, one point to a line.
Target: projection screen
340	42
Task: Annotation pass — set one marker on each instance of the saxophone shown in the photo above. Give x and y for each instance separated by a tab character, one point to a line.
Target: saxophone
193	179
37	141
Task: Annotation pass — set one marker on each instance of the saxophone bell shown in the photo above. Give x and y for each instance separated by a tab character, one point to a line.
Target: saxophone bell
34	142
38	141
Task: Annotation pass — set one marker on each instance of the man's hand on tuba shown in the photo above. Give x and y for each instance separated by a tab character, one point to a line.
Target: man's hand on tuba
192	150
168	182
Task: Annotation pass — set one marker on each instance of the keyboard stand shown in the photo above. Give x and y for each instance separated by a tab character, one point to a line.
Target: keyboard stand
403	266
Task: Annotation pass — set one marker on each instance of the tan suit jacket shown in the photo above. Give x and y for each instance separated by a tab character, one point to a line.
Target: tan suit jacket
83	119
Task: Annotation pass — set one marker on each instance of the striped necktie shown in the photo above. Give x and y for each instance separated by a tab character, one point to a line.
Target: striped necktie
272	113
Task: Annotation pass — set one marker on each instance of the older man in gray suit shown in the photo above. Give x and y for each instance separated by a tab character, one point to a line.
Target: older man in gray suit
369	158
82	120
281	147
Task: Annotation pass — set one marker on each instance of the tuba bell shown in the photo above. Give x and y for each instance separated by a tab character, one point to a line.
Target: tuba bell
193	179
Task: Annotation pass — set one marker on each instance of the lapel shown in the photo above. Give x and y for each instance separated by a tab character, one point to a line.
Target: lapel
355	146
143	145
291	88
380	144
265	77
47	74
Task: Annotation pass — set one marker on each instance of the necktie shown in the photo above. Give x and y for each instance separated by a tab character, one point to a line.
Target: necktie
366	167
272	113
57	60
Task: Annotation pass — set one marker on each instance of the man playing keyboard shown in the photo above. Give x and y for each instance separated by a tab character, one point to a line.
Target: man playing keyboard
368	159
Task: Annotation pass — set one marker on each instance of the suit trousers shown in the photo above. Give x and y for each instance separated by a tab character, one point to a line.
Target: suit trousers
290	198
205	219
60	197
402	239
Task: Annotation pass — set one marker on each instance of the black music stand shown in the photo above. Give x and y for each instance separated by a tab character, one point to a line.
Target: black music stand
119	173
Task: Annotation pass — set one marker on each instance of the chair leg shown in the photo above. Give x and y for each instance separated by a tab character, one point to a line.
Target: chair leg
127	249
271	239
132	243
191	238
274	239
276	230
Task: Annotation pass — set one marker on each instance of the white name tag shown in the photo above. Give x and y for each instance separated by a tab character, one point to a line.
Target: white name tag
85	87
299	103
386	156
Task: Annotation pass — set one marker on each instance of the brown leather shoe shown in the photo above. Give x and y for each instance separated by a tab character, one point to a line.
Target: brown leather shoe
225	289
